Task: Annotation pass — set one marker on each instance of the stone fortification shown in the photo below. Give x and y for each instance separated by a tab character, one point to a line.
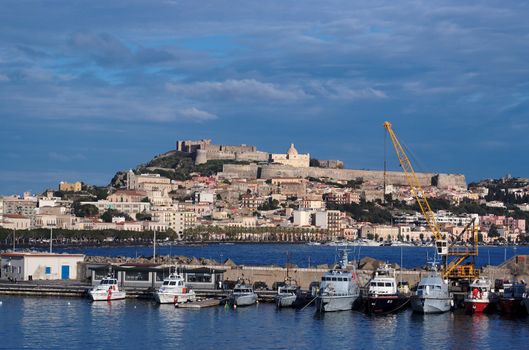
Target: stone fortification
204	150
392	177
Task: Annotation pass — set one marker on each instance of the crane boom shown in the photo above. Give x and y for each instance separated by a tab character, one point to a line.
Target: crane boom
453	269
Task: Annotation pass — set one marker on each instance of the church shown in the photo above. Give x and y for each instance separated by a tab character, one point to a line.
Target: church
291	158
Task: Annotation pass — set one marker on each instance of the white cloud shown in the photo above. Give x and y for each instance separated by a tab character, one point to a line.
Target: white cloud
239	89
196	114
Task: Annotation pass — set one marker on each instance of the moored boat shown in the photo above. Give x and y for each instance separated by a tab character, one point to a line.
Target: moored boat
242	295
174	291
478	299
107	290
511	302
383	297
339	289
286	295
432	295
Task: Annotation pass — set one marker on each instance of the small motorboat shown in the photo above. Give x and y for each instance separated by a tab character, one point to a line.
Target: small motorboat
286	295
174	291
242	295
512	301
478	299
383	296
107	290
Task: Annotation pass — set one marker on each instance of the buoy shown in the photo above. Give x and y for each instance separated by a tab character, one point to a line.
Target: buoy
234	306
1	303
69	303
134	306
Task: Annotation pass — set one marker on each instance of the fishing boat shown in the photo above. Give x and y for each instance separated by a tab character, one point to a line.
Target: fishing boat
174	291
286	295
339	289
107	290
383	296
432	295
511	302
478	299
242	295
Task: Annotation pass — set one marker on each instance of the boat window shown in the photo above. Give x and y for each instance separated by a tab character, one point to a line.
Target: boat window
334	278
180	283
172	283
380	284
373	284
104	282
388	284
420	287
438	287
165	283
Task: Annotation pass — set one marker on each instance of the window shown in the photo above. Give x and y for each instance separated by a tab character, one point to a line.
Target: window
198	277
172	283
388	284
47	270
380	284
334	278
19	270
136	276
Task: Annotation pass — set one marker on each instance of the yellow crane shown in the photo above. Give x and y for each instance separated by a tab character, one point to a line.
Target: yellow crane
455	264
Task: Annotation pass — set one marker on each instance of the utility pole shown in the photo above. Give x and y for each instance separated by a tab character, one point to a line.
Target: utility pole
51	239
154	247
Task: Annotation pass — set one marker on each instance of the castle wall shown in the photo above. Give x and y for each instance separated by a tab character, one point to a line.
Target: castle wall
392	177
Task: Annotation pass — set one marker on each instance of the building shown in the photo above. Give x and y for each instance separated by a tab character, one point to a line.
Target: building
39	266
23	206
130	208
291	158
70	187
342	197
16	222
178	221
127	196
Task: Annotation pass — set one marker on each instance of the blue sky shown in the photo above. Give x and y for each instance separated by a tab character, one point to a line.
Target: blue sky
90	88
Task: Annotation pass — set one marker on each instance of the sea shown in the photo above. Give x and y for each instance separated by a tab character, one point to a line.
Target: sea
75	323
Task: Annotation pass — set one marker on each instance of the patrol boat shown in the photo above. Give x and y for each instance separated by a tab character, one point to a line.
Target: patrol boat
339	289
432	295
174	291
383	297
242	295
107	289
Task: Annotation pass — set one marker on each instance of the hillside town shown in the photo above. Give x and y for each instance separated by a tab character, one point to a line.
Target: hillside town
251	195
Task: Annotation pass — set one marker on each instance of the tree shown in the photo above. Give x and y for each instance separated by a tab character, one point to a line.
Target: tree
493	231
84	210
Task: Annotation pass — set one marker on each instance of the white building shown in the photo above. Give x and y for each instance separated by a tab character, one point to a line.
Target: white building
39	266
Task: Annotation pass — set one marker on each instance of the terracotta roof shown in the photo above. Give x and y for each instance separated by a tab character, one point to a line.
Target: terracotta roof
15	216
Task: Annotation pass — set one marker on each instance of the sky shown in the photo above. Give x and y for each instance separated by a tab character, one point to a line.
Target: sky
88	88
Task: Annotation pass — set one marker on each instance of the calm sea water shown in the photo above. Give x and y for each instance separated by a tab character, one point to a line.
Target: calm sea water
299	254
67	323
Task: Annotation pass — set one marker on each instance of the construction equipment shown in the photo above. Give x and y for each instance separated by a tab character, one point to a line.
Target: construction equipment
454	257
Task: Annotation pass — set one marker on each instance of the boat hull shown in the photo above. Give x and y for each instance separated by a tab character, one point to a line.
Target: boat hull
425	305
477	306
386	304
174	298
244	300
285	300
105	296
330	303
512	306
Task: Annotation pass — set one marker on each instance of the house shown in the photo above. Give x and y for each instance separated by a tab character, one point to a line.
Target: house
39	266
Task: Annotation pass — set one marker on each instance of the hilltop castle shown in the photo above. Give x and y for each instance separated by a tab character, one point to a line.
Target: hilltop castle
204	150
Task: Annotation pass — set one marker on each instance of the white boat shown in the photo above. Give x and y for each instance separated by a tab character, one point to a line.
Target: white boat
174	291
286	295
339	288
366	243
107	290
432	295
242	295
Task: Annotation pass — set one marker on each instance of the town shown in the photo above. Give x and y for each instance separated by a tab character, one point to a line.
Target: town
205	192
